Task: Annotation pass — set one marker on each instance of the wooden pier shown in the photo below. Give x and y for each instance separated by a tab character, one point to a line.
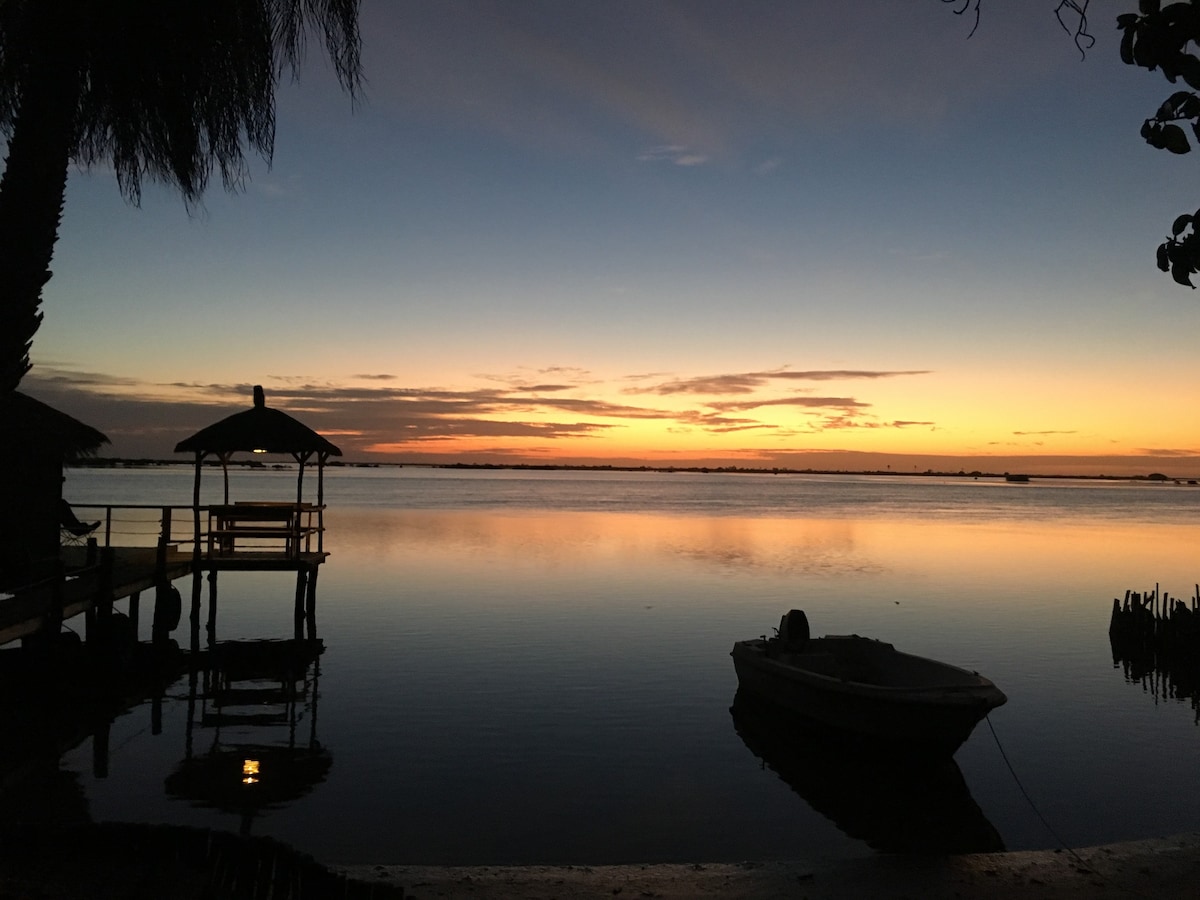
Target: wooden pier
282	537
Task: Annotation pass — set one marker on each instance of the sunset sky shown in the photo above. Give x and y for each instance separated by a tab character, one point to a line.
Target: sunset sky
755	233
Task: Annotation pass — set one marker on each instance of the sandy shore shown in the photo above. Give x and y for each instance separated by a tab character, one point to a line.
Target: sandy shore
1158	868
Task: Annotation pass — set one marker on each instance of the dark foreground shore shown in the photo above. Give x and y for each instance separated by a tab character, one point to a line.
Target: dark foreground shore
1158	868
119	862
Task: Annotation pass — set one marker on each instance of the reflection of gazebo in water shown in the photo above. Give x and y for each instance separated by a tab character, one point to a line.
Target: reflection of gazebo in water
252	697
260	535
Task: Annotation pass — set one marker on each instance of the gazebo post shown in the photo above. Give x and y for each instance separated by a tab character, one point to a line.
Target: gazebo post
225	472
196	575
298	611
196	508
321	457
301	458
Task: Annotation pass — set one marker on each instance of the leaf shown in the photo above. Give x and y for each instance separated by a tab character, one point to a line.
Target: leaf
1178	254
1127	20
1174	139
1176	102
1164	262
1148	7
1127	47
1145	54
1189	68
1180	223
1182	275
1196	131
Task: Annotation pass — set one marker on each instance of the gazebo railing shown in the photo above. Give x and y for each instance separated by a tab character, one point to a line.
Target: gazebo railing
138	524
264	527
287	529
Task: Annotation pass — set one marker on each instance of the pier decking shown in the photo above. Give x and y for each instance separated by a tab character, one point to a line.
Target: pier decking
283	537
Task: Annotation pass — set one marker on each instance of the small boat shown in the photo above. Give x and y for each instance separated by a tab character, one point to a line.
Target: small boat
865	689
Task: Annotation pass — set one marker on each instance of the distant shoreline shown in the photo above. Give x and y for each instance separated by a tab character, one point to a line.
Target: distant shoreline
254	464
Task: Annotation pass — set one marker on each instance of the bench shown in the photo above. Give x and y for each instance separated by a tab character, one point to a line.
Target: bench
279	522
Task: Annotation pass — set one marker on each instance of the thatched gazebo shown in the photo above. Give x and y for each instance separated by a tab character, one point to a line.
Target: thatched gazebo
259	429
38	441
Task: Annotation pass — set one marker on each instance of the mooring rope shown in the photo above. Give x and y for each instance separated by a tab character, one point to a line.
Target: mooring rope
1083	864
1028	799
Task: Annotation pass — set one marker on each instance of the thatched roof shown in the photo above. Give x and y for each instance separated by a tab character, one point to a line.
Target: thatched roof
33	425
258	428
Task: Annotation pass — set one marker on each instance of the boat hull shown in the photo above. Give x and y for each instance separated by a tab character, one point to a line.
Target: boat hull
906	704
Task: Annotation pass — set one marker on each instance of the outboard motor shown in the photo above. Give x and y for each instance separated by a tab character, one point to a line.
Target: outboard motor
793	629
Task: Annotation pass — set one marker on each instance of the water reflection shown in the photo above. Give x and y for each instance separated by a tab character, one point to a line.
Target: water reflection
893	806
248	704
554	539
589	625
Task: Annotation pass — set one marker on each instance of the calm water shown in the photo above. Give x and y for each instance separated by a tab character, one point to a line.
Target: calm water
533	667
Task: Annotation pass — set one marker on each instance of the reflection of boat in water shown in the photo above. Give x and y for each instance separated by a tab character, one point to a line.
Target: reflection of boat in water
866	688
894	806
252	698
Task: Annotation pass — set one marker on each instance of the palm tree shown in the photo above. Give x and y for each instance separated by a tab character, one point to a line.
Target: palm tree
164	89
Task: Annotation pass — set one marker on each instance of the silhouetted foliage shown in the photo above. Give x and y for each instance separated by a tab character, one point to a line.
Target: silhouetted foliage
1163	38
157	89
1156	37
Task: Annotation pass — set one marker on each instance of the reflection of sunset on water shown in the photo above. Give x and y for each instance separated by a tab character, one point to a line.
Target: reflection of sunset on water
767	546
910	559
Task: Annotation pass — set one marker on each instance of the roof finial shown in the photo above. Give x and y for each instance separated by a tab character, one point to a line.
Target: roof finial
260	399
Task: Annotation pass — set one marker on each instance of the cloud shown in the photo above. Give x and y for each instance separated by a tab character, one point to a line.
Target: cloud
804	402
768	166
1172	452
1041	433
713	81
746	382
679	156
375	414
271	186
573	377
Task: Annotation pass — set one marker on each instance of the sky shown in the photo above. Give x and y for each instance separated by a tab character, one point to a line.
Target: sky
762	234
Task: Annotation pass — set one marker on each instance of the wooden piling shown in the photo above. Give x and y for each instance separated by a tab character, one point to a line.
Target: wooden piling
1156	639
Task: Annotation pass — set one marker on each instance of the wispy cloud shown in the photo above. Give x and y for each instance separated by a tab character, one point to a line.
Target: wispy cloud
768	166
676	155
1174	452
709	80
746	382
805	401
